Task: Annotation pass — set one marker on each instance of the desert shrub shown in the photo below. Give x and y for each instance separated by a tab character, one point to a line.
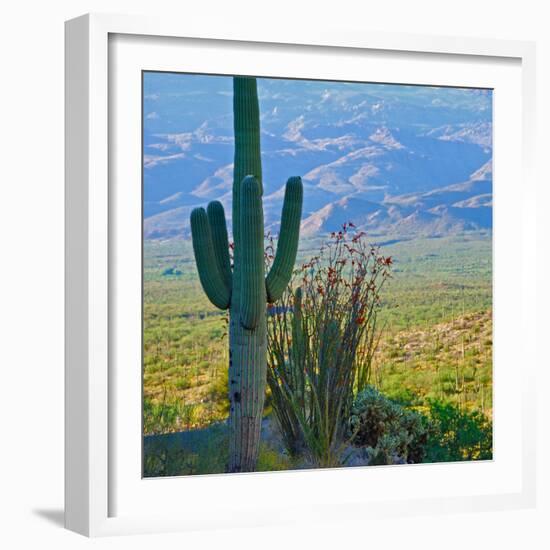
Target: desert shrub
390	432
158	417
167	415
393	433
270	460
457	435
321	339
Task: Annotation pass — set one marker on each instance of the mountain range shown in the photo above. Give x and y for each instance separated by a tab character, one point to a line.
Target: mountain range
393	159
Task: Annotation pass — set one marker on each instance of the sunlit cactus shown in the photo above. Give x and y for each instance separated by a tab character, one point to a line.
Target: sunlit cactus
245	290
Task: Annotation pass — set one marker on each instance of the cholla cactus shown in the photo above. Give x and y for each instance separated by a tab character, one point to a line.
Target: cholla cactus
245	290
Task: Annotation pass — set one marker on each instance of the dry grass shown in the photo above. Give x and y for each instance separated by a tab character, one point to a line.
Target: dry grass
451	360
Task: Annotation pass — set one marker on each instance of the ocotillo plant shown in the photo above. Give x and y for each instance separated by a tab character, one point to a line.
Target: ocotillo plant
245	289
321	343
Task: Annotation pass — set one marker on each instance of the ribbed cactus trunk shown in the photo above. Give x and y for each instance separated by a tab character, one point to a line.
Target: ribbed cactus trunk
246	290
247	344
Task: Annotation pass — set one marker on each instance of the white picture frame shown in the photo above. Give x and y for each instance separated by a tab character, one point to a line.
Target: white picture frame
99	500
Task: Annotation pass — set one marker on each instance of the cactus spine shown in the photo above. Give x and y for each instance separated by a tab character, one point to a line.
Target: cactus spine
245	290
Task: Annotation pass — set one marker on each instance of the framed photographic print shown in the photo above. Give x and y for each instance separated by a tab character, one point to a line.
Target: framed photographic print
288	274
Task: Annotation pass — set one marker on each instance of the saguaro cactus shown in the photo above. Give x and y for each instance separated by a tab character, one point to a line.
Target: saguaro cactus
245	290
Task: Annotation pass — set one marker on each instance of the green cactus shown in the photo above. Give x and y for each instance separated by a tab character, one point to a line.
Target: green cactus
246	290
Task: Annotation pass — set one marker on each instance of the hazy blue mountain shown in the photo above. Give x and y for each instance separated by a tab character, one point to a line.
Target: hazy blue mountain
390	158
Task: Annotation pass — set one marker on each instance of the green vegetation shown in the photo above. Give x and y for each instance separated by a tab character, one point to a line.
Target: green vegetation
438	279
456	434
436	344
448	361
388	432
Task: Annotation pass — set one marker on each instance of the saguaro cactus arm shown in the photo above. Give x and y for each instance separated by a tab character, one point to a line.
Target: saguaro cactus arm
218	228
287	245
252	253
209	274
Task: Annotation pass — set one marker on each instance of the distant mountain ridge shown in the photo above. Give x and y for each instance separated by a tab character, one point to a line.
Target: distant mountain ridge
393	160
450	209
